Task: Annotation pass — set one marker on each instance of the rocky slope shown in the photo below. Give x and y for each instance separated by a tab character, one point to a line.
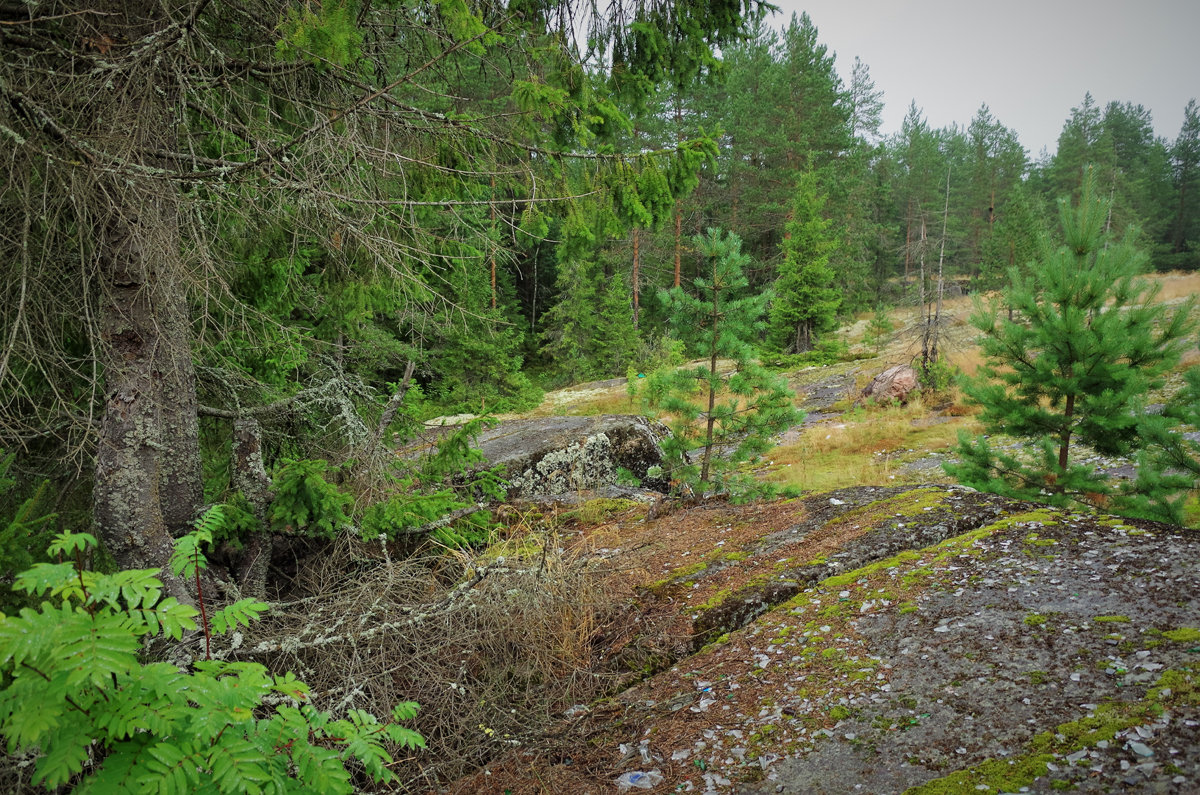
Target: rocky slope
924	640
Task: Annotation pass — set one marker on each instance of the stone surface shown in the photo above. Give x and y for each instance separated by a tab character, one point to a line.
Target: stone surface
895	383
881	639
558	455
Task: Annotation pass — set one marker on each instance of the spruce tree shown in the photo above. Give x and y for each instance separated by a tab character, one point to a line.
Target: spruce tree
738	411
1085	348
806	301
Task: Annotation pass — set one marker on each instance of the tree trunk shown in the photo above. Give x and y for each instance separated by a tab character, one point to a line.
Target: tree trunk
923	315
712	370
937	316
147	486
678	209
492	243
251	479
147	474
678	241
636	274
1064	446
181	483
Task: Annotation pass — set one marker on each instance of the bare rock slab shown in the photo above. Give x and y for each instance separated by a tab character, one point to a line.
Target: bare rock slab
559	455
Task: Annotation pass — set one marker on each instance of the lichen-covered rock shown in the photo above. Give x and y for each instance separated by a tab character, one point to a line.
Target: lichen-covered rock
557	455
893	384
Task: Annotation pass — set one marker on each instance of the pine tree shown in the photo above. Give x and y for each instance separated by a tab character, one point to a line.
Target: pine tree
1185	161
739	411
806	301
1087	346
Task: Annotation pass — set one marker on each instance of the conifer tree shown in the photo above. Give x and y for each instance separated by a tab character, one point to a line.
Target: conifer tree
1087	345
739	411
1185	162
806	301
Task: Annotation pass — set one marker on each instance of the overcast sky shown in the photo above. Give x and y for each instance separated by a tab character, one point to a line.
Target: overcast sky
1031	61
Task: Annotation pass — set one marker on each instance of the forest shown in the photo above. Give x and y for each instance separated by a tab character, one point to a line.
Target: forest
249	248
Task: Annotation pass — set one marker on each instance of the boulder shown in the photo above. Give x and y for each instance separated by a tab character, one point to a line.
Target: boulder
558	455
895	383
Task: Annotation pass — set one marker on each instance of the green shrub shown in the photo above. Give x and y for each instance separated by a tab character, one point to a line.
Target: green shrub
22	535
306	501
77	691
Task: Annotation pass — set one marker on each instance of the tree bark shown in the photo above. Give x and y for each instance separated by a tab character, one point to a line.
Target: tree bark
636	274
147	486
143	490
250	478
678	241
712	373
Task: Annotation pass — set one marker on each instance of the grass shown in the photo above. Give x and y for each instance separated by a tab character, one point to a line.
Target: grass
867	448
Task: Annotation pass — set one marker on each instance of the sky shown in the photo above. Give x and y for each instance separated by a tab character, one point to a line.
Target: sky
1030	62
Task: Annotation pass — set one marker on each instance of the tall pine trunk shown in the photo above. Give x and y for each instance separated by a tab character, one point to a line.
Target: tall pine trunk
714	348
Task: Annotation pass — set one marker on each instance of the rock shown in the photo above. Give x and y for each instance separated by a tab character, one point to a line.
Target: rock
557	455
895	383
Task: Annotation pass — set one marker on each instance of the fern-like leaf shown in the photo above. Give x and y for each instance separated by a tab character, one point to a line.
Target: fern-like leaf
43	577
290	686
68	750
404	736
405	710
238	765
68	543
103	648
242	613
321	769
169	618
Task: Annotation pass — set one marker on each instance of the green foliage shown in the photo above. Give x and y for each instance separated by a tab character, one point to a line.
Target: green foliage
738	411
28	530
939	376
305	501
879	328
422	497
330	33
589	333
806	301
1170	457
1075	366
828	350
78	691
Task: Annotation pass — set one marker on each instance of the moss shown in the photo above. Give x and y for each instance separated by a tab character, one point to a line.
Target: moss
601	509
914	503
719	641
1009	775
840	712
1175	687
716	600
1033	539
1110	620
907	607
1183	635
736	556
1037	677
1004	775
1035	620
842	580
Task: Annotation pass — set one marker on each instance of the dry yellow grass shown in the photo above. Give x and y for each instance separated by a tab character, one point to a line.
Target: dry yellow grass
1176	285
865	447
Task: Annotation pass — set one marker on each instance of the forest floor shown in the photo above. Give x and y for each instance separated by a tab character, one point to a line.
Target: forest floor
888	632
881	639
